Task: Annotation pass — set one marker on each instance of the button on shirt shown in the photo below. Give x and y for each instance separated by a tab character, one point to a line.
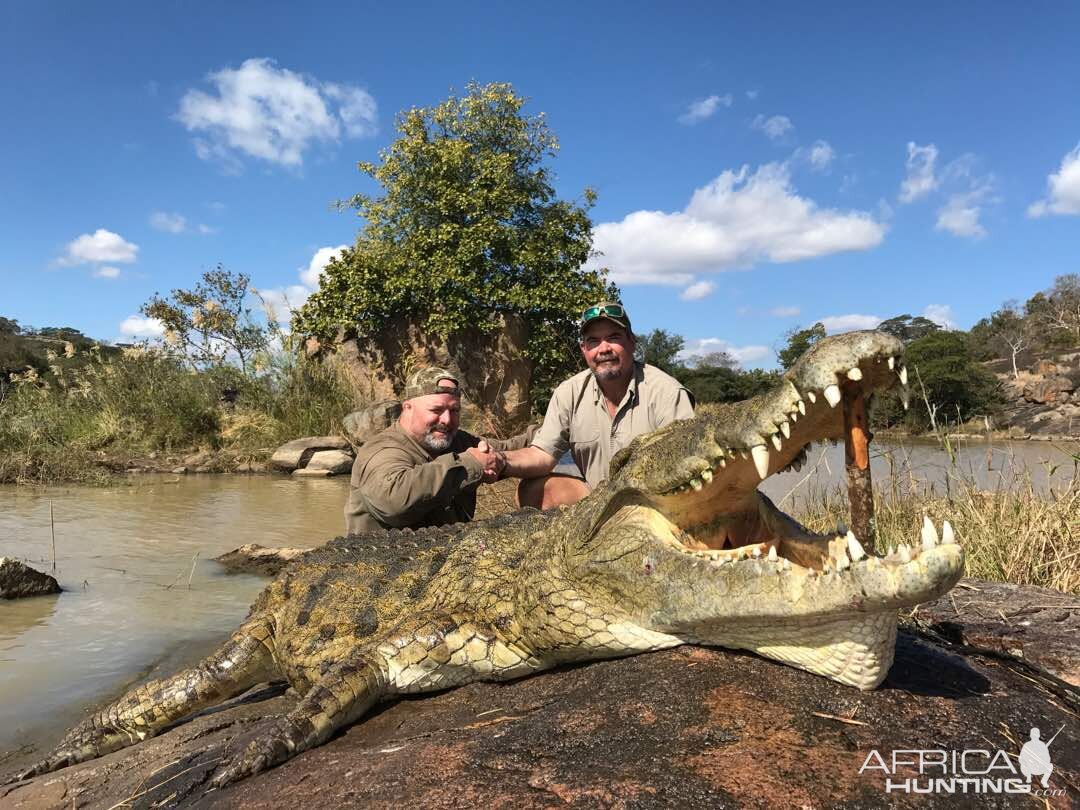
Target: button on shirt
577	417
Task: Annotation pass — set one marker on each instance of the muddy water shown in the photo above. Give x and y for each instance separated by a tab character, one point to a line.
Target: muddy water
124	556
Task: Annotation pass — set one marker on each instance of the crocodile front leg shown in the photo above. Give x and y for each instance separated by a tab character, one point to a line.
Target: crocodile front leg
243	661
338	698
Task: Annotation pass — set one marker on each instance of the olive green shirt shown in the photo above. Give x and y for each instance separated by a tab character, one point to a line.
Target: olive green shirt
577	417
397	482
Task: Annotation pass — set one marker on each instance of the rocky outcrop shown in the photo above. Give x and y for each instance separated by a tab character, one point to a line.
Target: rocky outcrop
495	373
365	423
687	728
252	558
18	580
1043	402
299	453
1045	390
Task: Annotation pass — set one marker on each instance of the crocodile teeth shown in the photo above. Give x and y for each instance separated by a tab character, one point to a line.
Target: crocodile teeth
810	395
776	441
793	416
854	547
743	454
903	375
772	556
785	428
802	406
761	460
832	395
755	552
929	534
854	374
905	553
892	363
723	463
706	476
842	563
905	398
696	484
947	536
785	563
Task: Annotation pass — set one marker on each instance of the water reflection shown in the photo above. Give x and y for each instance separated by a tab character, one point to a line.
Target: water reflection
19	615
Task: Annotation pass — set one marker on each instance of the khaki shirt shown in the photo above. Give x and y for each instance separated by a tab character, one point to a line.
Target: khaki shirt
577	417
397	483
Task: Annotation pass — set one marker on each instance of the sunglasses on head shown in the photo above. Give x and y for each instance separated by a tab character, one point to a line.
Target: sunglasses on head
608	310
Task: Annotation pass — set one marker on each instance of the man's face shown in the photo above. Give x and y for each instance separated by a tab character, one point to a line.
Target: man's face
432	420
608	349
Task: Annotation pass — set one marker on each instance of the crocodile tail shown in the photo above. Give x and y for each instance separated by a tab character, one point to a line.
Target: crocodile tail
243	661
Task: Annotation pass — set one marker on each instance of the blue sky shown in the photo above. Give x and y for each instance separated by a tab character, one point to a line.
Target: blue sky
758	166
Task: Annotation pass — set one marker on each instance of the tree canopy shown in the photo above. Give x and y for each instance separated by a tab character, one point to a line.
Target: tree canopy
907	327
467	227
798	341
659	348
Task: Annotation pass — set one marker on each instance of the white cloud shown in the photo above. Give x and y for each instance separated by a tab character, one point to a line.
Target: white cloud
774	127
137	326
941	314
207	230
281	301
107	272
272	114
735	221
1062	189
741	354
705	108
960	214
848	323
322	257
784	312
170	223
752	94
695	292
99	246
920	179
820	155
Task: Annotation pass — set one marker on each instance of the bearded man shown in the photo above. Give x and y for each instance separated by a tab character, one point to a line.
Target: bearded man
423	470
597	412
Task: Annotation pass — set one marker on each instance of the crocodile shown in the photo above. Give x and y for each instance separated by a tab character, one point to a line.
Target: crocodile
678	546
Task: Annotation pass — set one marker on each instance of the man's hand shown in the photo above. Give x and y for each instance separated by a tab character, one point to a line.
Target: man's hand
493	460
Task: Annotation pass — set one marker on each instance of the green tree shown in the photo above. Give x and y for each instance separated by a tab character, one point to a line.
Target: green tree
908	328
659	348
468	227
798	341
725	384
943	372
9	326
211	324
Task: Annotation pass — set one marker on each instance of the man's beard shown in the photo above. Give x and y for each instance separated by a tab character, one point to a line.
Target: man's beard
607	371
438	441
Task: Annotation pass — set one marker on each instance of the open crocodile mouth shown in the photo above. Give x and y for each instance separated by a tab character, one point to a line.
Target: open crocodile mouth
716	513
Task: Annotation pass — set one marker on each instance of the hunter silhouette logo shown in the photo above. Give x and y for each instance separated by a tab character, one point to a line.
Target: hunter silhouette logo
975	770
1035	757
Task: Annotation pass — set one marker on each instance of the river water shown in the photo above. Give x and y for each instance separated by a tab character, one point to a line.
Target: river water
143	597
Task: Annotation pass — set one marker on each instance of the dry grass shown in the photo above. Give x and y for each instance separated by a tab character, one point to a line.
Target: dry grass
1012	534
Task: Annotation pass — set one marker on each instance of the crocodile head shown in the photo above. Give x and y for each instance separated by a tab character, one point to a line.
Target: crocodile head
691	549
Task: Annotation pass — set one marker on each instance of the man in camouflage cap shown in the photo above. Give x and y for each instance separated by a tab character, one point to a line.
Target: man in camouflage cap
423	470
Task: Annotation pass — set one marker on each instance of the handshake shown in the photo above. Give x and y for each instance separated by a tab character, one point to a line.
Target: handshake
494	461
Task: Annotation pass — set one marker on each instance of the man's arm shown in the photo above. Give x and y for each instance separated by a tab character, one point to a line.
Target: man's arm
528	462
399	492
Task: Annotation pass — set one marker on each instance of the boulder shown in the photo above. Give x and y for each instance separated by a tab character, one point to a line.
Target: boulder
335	462
305	472
1048	390
18	580
1044	368
361	425
688	728
255	559
296	454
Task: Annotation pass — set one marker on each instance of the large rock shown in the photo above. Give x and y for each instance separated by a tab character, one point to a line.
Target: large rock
252	558
18	580
495	373
335	462
1048	390
365	423
297	453
685	728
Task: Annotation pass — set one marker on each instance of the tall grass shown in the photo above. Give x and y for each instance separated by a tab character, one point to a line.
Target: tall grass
1011	533
81	420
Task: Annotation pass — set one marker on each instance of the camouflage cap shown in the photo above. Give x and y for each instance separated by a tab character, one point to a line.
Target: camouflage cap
426	381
